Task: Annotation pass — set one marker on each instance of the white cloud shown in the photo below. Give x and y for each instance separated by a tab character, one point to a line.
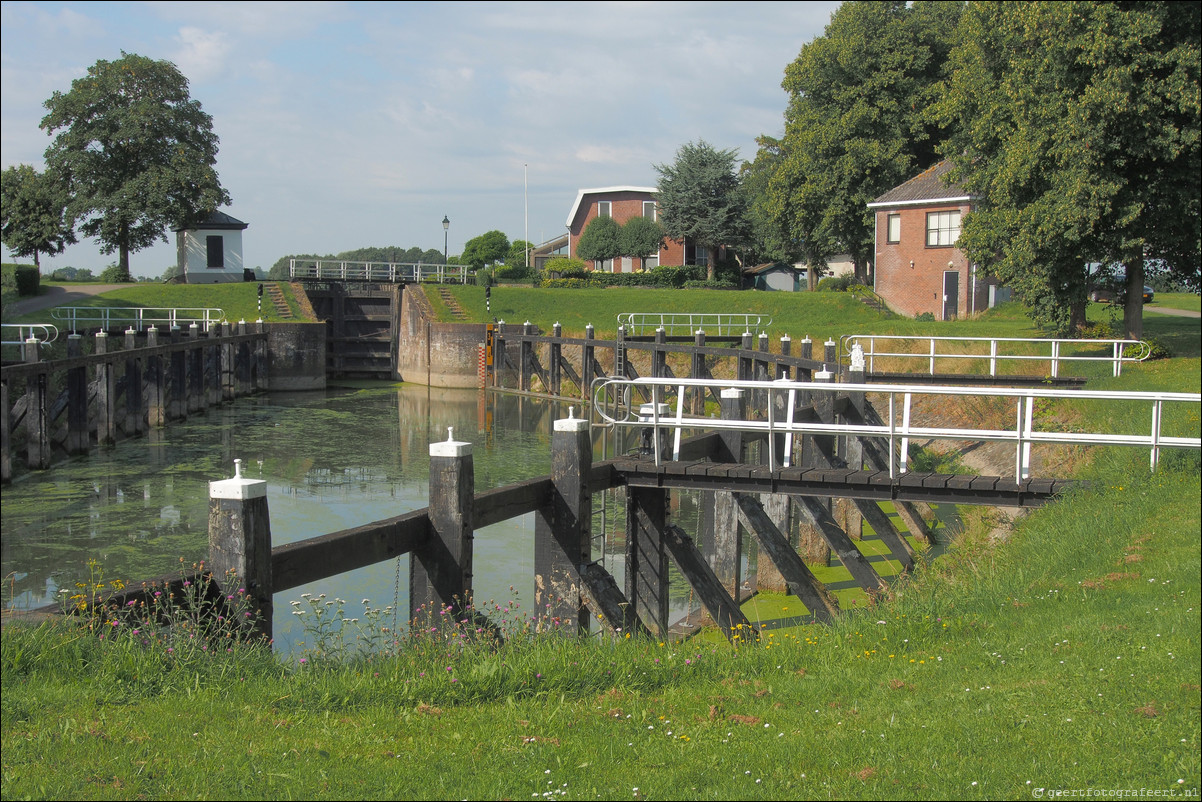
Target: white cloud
202	55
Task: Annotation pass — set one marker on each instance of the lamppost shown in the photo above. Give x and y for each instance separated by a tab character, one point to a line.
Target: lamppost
446	228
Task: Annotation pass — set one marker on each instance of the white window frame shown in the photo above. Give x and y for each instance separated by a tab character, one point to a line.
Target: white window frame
893	228
604	209
943	228
649	206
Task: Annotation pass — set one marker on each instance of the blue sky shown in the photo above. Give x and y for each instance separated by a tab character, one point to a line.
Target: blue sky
345	125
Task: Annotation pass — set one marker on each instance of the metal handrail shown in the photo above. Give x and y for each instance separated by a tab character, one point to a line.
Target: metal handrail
896	431
137	316
687	323
48	330
1121	350
392	272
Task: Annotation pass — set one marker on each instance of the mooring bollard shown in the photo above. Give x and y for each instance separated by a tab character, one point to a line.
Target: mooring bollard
440	571
240	542
562	528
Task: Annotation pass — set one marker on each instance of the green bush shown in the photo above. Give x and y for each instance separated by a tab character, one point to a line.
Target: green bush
925	317
25	279
562	268
113	275
705	284
569	284
837	283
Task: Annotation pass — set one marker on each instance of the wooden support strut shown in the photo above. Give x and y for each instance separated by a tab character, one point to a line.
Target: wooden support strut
720	605
562	529
240	542
801	581
440	570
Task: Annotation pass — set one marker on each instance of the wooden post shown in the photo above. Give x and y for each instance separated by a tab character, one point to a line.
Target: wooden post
440	571
746	369
588	361
196	399
697	371
177	386
556	355
830	357
36	426
79	438
134	421
106	395
6	458
786	346
722	550
260	357
659	355
226	349
213	367
562	530
498	368
647	557
524	359
852	453
156	410
814	548
240	542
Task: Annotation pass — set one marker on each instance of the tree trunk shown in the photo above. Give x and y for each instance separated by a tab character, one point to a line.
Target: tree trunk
1076	316
711	263
1133	308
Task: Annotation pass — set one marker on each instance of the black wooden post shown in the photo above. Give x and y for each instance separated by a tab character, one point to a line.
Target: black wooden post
134	415
440	570
562	530
659	355
524	358
6	459
830	356
213	367
196	371
79	438
647	557
556	355
156	411
240	542
588	362
746	360
226	350
697	371
786	347
722	550
37	430
106	394
498	355
177	384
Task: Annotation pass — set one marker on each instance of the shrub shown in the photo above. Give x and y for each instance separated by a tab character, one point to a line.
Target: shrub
113	275
710	285
25	279
563	268
925	317
837	283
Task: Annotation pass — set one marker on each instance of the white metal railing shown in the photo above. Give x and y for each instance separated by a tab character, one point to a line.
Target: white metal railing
688	323
611	404
1000	349
138	317
392	272
42	333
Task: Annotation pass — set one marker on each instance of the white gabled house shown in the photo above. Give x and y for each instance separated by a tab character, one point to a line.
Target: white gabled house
210	251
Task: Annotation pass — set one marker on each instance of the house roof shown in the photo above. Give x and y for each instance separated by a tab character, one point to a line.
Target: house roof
602	191
768	267
926	188
216	220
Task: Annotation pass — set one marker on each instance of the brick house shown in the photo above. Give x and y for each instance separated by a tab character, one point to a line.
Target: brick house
918	266
622	204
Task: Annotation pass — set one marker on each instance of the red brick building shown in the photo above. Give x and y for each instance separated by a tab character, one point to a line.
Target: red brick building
622	204
918	266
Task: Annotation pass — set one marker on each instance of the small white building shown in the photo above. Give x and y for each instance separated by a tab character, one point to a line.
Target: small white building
210	252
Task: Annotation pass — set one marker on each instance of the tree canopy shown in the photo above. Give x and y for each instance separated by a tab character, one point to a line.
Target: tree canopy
33	213
136	153
490	247
600	240
641	237
856	125
1077	125
700	198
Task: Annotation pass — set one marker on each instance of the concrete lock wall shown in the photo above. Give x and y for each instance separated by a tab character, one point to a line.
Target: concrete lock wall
435	354
296	356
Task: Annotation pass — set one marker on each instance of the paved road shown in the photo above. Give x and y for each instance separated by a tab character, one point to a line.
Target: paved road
1175	312
61	296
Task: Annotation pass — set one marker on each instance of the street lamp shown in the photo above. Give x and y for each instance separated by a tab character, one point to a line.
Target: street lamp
446	227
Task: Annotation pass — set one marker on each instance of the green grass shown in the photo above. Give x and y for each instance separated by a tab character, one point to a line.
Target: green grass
238	300
1177	300
1065	657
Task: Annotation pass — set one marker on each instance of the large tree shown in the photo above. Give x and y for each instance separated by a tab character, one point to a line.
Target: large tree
34	213
855	126
601	240
641	237
700	198
1077	125
492	246
135	151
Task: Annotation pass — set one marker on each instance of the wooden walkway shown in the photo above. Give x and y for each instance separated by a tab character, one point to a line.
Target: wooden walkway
930	488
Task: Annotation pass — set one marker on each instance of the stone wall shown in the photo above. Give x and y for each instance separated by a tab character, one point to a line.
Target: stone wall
432	353
296	356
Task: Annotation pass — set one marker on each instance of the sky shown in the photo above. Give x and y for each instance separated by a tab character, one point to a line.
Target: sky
348	125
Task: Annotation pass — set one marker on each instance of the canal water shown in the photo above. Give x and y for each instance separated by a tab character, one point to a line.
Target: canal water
332	460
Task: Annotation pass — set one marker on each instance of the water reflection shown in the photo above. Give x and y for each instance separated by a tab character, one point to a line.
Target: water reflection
332	460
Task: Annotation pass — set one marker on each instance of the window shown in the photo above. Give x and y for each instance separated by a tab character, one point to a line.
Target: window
215	248
603	209
650	262
649	209
943	229
606	265
893	232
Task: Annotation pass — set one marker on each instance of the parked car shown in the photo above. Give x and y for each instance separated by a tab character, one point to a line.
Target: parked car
1111	288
